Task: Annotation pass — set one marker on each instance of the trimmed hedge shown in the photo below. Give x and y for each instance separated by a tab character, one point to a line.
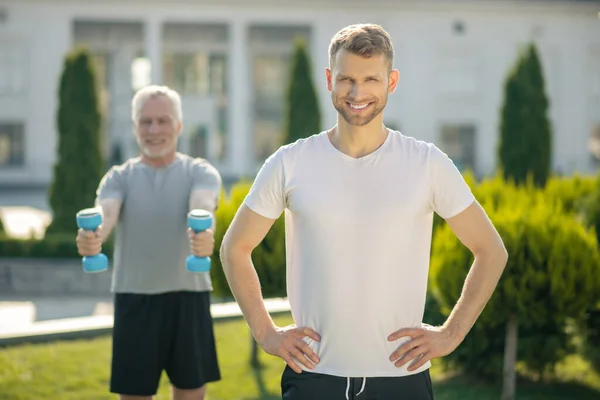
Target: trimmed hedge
58	245
552	273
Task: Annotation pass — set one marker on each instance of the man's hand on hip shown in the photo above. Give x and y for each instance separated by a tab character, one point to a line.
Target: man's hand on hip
425	344
287	344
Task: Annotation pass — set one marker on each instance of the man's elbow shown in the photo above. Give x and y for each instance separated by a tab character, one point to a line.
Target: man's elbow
504	255
499	254
230	250
494	252
224	251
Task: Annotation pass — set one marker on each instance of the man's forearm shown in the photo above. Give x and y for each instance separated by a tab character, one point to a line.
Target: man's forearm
109	221
479	286
245	286
110	216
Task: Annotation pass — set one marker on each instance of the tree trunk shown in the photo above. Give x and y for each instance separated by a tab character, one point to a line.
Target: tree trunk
510	359
254	361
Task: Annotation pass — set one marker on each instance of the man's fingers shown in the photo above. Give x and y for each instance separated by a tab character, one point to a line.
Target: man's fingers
411	355
406	332
290	361
92	249
301	358
419	362
406	347
301	332
306	350
86	251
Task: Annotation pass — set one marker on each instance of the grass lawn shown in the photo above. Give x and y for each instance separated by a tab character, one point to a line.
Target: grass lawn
80	370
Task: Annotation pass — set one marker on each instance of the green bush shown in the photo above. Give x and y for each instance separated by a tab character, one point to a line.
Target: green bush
591	323
591	207
79	165
571	191
268	257
552	272
591	335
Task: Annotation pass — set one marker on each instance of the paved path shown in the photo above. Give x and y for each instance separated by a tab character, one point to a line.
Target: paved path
19	324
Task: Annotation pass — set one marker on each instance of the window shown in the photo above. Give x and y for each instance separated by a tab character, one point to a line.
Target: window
202	74
458	141
141	73
12	144
12	70
198	144
458	71
270	81
270	52
186	73
196	73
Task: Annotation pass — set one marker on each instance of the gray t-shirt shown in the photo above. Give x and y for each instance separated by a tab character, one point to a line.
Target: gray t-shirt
151	240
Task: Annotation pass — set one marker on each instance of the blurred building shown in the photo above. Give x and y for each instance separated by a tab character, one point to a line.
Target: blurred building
230	60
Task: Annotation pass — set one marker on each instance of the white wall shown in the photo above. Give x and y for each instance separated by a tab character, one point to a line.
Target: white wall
568	36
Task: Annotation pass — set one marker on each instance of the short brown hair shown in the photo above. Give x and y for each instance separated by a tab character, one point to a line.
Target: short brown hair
365	40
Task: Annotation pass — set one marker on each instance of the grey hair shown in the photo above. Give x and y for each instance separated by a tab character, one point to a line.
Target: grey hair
148	92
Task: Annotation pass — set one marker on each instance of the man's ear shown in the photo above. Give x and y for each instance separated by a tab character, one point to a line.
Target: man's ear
329	77
393	80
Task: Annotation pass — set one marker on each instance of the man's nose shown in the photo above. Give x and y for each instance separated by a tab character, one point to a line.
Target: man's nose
153	128
357	91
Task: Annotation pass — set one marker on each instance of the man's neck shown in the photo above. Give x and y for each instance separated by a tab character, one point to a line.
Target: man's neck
358	141
159	162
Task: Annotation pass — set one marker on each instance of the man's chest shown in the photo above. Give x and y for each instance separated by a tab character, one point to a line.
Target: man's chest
339	195
158	195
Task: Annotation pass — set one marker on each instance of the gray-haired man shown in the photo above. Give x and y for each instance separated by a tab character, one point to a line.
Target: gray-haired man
162	311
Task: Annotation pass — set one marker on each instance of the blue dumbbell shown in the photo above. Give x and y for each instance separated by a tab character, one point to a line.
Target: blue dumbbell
198	220
90	219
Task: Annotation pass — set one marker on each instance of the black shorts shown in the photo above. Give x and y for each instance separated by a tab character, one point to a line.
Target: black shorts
311	386
155	332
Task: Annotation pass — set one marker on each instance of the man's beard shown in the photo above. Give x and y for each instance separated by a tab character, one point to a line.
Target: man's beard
154	154
359	120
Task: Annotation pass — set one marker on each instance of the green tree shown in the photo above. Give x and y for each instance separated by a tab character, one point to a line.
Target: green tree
78	168
303	116
550	277
525	132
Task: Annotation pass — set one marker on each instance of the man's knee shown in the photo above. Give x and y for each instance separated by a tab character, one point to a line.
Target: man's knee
189	394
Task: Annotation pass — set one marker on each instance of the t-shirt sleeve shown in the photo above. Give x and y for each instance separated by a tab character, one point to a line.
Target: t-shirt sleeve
267	195
450	193
112	185
205	177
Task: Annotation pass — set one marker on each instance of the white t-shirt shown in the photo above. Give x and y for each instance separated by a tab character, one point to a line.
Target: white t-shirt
358	238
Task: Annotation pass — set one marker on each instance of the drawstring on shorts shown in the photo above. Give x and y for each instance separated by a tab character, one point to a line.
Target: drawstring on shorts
362	389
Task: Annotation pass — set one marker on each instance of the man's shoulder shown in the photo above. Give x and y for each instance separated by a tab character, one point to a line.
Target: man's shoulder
196	163
412	144
418	151
125	168
198	168
299	146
